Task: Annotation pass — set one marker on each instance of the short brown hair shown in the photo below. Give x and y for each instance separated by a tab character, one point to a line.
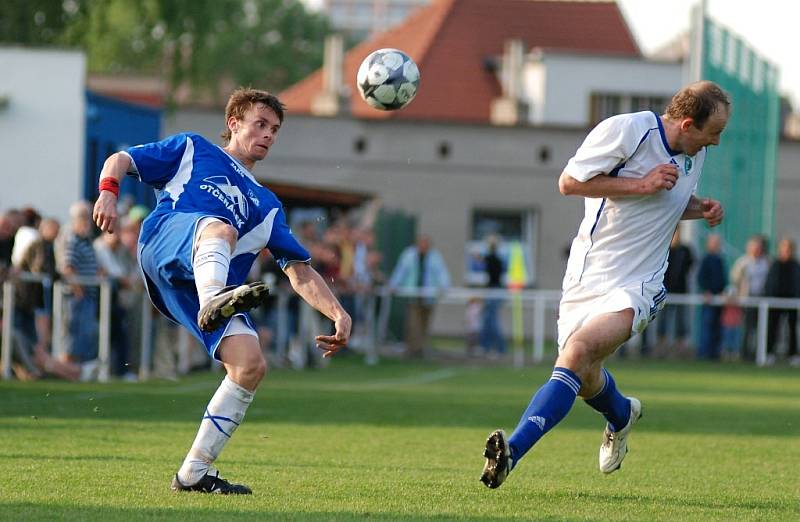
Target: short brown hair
698	101
243	99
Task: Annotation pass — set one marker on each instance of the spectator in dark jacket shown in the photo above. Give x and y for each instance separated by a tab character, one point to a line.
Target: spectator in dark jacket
672	321
491	337
712	278
783	280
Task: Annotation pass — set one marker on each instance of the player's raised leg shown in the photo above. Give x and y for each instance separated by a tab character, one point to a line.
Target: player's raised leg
246	366
577	372
586	350
215	242
549	405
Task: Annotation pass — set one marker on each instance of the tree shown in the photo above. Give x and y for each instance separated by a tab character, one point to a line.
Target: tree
205	45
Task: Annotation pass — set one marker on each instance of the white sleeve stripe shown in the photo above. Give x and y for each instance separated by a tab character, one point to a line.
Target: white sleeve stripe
175	186
254	241
133	169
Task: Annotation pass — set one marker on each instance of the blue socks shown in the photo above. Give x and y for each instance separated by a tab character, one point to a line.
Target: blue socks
550	404
614	406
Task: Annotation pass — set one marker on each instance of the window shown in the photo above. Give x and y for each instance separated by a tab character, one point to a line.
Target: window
605	105
510	227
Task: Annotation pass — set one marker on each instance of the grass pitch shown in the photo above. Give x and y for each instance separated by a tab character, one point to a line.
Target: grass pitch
403	442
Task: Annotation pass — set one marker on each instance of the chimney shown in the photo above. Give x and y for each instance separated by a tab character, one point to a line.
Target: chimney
509	109
328	101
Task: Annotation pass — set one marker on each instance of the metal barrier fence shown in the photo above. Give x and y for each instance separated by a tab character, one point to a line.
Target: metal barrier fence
377	307
536	302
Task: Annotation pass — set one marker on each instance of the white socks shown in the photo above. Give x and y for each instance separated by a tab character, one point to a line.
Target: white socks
211	262
223	415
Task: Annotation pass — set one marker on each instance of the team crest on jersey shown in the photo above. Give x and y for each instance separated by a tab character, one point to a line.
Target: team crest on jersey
221	188
253	198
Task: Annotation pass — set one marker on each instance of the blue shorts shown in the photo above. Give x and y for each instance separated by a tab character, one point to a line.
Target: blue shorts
165	259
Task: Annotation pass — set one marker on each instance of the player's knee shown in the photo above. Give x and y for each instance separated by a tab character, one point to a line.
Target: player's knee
256	369
223	231
579	356
248	372
229	234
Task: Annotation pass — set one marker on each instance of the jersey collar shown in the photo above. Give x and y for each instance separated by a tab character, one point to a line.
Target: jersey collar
669	149
239	163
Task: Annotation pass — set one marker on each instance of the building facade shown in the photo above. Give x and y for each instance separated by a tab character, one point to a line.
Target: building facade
42	122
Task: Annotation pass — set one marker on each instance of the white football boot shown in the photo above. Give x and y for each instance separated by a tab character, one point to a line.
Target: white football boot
615	444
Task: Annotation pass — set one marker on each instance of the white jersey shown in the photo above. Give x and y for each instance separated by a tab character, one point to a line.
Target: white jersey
625	240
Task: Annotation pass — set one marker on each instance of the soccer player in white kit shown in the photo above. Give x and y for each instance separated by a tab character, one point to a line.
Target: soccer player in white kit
638	174
211	220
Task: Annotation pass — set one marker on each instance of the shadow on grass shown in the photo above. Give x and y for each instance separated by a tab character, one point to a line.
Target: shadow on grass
397	394
225	510
249	508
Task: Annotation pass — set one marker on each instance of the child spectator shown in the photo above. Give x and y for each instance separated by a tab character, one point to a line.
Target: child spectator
473	322
731	320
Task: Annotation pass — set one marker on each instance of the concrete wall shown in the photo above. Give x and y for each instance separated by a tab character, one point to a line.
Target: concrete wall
787	197
42	129
488	168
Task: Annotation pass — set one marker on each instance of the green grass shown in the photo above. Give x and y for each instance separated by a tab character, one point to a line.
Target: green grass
403	442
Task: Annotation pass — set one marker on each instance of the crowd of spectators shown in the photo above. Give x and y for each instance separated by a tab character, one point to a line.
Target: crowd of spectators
729	331
36	252
343	252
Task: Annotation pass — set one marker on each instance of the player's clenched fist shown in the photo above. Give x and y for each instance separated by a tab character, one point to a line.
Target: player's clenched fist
660	177
712	212
105	211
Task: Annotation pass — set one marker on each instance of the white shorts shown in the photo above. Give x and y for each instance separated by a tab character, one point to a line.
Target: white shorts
579	305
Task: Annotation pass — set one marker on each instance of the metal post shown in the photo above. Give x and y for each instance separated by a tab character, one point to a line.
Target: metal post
8	328
383	315
184	345
104	341
371	350
146	349
518	328
539	305
282	326
59	351
761	347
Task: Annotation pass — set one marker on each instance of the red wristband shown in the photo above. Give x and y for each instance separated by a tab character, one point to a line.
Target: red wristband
111	185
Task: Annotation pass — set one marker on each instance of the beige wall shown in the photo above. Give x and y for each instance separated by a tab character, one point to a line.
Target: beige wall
787	197
488	168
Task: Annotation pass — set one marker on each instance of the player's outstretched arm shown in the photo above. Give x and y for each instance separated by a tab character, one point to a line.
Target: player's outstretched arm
661	177
312	288
105	208
704	208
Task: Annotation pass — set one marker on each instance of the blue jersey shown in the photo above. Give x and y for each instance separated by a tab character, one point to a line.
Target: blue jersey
194	179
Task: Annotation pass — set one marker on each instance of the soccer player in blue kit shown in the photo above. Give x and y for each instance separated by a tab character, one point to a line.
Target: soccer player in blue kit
638	174
196	248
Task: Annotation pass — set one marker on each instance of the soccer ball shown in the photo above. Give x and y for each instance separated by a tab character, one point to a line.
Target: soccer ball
388	79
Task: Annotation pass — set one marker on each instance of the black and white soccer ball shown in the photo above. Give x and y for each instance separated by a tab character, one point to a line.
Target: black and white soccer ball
388	79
